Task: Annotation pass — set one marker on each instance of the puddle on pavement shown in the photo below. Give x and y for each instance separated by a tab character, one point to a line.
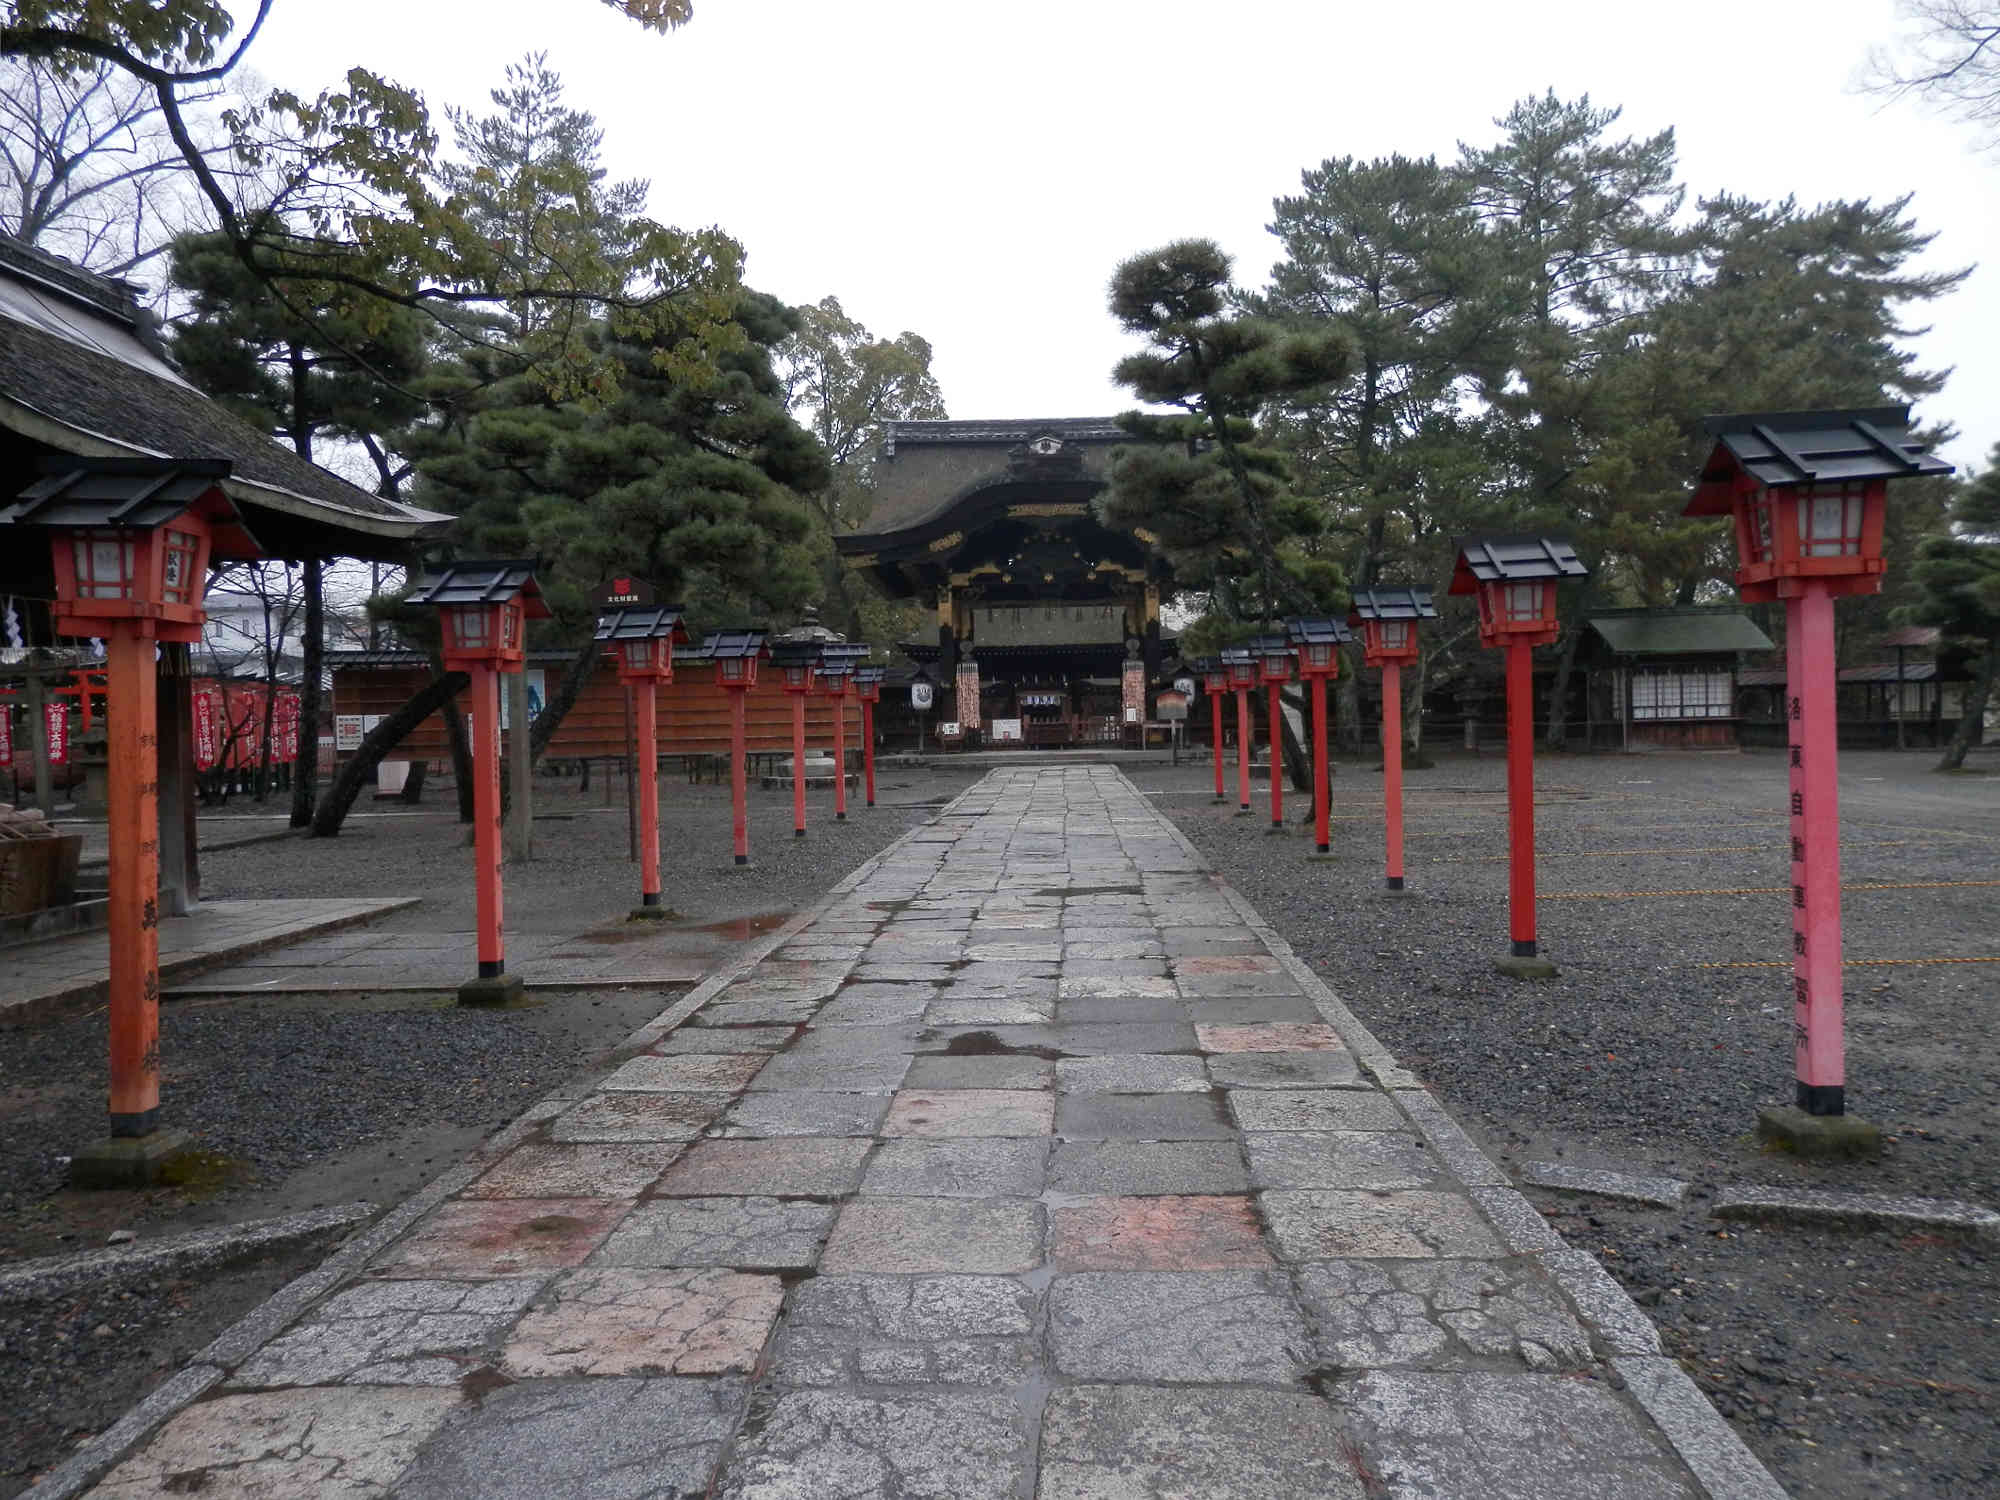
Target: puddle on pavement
735	929
1092	890
986	1044
742	929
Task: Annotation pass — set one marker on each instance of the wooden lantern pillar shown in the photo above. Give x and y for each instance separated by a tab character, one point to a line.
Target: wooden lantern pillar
1241	666
736	654
131	541
485	607
1274	670
798	662
1318	642
1807	492
868	688
1515	579
643	642
1388	620
1215	682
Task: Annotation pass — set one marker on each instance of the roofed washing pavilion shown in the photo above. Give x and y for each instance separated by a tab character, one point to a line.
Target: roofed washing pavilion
1047	620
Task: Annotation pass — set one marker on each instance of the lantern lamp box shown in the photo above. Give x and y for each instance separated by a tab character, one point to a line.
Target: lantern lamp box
1515	579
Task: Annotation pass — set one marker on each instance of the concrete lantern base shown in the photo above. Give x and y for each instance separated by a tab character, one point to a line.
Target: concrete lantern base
1515	966
652	913
501	992
1818	1137
1318	858
127	1161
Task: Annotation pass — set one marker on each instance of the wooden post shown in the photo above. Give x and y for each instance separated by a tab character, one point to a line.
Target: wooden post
38	743
631	789
1243	749
646	703
520	815
798	765
868	749
486	818
1322	833
738	793
840	756
1277	764
133	910
180	865
1392	769
1215	720
1818	1044
1521	799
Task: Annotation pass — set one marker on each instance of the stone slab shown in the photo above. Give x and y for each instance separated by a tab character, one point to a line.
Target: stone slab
1314	1109
1894	1211
1326	1224
744	1234
1194	1326
1122	1442
1132	1073
1129	1168
969	1112
1492	1436
694	1074
1142	1117
1285	1070
393	1333
907	1330
935	1235
325	1444
637	1117
1157	1234
1662	1192
804	1112
1440	1315
964	1167
1003	1072
502	1237
1276	1036
625	1322
814	1445
614	1439
583	1170
785	1167
833	1072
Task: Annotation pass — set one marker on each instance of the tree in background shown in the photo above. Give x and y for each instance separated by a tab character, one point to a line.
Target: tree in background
1959	575
843	384
91	172
1220	501
1949	59
342	373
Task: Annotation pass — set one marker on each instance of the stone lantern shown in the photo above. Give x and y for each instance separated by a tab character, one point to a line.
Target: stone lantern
1515	579
736	653
485	607
1806	493
642	640
1388	620
1318	643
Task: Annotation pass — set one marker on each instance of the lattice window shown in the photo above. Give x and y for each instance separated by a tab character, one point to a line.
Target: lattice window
1669	694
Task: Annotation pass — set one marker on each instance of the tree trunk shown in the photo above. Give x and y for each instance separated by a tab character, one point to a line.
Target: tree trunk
1975	709
380	740
413	789
461	745
1347	707
559	703
305	775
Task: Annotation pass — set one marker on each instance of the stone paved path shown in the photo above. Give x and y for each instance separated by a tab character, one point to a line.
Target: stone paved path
1034	1166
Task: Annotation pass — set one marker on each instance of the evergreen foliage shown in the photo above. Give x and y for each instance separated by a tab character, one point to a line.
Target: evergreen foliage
1959	575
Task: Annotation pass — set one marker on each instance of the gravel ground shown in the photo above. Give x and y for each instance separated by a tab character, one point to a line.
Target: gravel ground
1855	1363
304	1101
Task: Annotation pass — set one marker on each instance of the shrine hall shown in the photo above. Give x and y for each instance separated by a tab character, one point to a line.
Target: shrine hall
1047	621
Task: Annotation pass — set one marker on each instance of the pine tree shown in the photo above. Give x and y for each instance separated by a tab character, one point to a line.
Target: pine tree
1221	502
1959	573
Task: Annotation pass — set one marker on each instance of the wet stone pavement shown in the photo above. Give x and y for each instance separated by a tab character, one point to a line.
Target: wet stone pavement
1033	1166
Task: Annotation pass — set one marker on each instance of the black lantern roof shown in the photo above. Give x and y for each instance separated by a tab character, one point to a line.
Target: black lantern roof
1317	630
1513	559
141	493
1780	449
646	624
1393	604
1270	645
794	653
843	655
489	582
866	675
742	640
1237	653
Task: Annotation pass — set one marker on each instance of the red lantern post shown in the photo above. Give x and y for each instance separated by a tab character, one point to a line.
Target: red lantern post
868	687
1215	682
486	606
1274	670
1242	669
799	662
1807	492
1318	642
1515	580
643	641
131	545
736	654
1388	620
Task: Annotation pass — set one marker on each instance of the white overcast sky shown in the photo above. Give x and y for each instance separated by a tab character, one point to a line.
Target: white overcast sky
973	171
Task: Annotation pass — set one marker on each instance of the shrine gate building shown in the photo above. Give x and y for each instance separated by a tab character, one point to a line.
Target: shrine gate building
1047	621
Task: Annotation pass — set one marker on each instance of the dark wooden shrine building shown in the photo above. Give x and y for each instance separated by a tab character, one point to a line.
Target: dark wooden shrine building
1047	621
